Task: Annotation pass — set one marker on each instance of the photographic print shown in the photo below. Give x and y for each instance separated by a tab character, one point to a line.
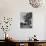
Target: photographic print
26	20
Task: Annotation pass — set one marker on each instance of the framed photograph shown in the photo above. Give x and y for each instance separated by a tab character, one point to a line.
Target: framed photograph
26	20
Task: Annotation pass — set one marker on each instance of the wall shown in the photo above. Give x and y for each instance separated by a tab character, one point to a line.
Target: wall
13	8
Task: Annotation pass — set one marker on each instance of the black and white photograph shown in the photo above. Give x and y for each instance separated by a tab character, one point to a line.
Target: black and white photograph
26	20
